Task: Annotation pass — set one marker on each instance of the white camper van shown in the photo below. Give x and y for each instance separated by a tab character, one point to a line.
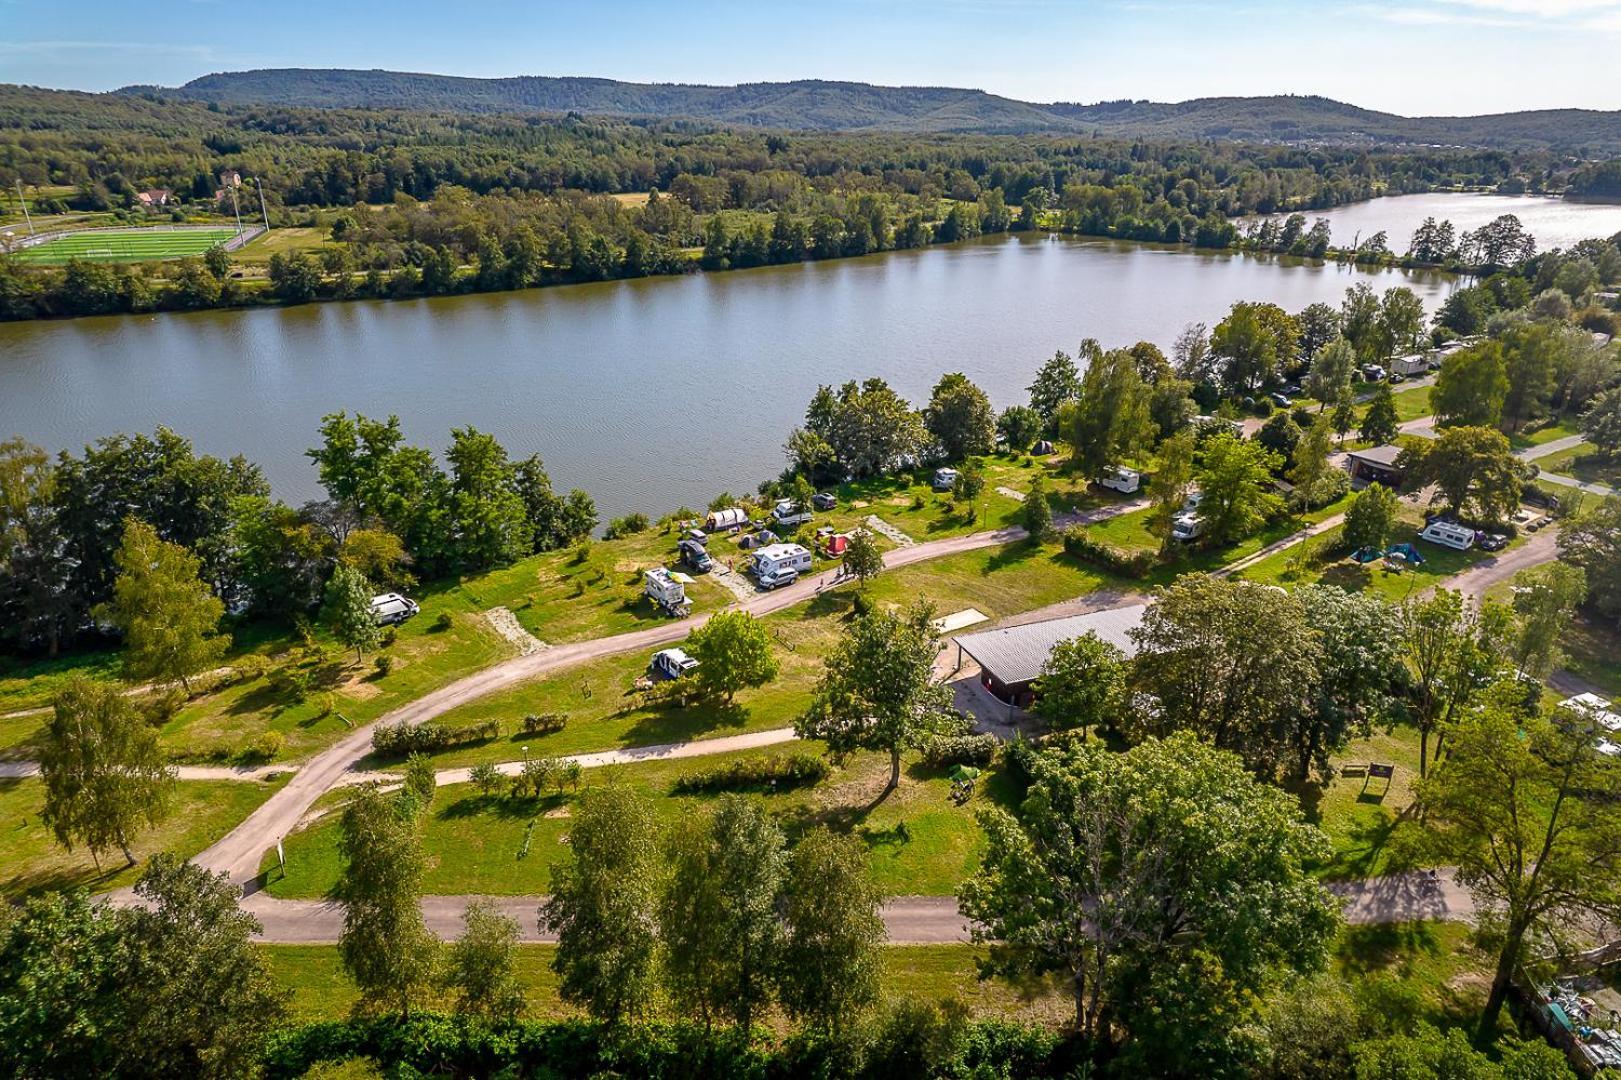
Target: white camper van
1121	479
780	564
1449	534
667	591
1187	527
390	608
945	478
787	513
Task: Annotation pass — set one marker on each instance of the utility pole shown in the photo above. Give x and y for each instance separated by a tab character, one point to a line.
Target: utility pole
262	209
22	202
237	210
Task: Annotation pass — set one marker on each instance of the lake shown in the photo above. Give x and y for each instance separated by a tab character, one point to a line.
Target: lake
1554	222
649	394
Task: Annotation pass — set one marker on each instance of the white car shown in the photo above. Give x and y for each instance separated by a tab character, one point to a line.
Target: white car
390	608
673	663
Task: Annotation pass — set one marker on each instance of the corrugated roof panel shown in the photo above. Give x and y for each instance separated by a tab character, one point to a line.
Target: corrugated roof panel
1016	654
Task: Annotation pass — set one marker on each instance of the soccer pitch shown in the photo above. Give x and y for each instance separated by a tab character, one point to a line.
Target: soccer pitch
126	245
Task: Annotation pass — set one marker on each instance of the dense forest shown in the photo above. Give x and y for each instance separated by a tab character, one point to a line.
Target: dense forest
814	104
401	203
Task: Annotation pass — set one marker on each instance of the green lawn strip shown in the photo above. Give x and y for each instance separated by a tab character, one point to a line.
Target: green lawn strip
1130	532
1365	821
920	842
1437	964
321	990
1323	559
1558	428
126	245
1585	463
31	861
1592	651
30	684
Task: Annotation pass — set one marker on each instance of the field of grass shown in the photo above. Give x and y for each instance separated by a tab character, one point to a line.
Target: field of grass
1592	651
1439	963
1322	559
1367	822
127	245
1585	463
31	861
322	991
920	842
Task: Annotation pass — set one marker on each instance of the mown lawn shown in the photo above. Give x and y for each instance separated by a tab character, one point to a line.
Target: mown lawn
322	991
1438	965
1592	651
30	684
1368	823
31	861
1585	463
1323	559
919	841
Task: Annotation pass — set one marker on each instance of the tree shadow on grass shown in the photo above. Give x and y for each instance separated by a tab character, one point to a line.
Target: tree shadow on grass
1376	846
1005	556
1366	950
678	724
506	807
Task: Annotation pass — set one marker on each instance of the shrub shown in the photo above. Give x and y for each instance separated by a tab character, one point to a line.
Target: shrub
628	525
1079	544
250	667
542	724
443	622
793	770
582	552
401	739
942	751
161	708
390	636
487	778
1303	417
265	747
384	664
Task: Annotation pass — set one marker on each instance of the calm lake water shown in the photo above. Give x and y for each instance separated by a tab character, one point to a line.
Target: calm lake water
1554	222
649	394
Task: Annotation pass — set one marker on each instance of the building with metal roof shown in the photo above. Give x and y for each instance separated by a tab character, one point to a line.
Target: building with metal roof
1011	658
1375	465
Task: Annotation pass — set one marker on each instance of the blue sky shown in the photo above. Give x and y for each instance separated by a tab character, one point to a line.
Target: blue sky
1407	56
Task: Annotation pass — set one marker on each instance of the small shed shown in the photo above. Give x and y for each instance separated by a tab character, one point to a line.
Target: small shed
1376	465
1011	658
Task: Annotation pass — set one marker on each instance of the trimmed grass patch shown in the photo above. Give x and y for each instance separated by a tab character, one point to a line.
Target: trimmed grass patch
31	861
127	245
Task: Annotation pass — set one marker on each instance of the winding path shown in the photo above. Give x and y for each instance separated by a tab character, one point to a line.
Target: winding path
239	852
910	920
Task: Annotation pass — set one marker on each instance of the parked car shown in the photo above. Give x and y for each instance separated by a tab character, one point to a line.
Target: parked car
673	663
391	608
1281	400
1396	377
824	500
695	556
1491	541
945	479
776	579
1294	390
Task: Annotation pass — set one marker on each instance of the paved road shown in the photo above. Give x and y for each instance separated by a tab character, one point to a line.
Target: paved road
1478	579
1602	490
238	853
910	920
1549	449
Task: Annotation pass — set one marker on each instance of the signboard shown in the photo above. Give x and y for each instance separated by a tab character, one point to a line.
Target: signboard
1384	772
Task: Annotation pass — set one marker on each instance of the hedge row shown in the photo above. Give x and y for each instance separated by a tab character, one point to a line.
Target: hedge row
942	751
402	739
1079	544
791	771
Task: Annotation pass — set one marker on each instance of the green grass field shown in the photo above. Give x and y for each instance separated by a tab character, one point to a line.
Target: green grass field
126	245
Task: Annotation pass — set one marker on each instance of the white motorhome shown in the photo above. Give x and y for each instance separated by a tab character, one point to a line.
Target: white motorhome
673	663
1121	479
733	517
1186	527
788	513
945	479
1191	503
773	563
1449	534
1414	364
390	608
667	591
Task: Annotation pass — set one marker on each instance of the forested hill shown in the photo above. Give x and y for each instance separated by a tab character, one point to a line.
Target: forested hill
843	106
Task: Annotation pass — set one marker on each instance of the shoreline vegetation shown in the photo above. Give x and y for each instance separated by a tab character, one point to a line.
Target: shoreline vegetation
211	282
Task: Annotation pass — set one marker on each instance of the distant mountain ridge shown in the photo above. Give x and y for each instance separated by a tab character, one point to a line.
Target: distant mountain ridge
814	104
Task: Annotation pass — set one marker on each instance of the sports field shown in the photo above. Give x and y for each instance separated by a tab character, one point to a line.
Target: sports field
127	245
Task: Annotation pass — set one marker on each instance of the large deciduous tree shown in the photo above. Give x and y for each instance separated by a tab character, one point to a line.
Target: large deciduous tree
386	947
1526	808
480	967
1545	599
1167	887
1108	420
347	611
1370	520
1172	485
603	906
1472	469
1453	649
1592	541
1058	381
1359	660
1083	685
959	417
1380	424
718	911
733	653
169	617
105	775
1235	479
1470	387
833	932
877	690
1232	662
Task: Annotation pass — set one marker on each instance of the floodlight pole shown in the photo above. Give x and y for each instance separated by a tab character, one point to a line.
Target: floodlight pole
22	202
236	210
262	210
